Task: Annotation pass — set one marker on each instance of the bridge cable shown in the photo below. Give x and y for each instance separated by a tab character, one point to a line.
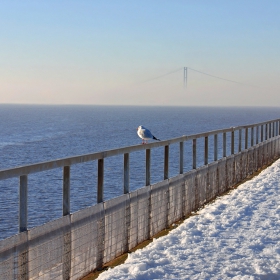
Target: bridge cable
166	74
223	78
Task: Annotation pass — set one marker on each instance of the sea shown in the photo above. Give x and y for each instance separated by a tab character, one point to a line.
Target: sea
37	133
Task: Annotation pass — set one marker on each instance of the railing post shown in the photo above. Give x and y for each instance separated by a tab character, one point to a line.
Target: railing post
246	138
194	153
269	130
126	173
261	133
215	147
224	144
206	150
66	259
100	180
166	161
232	142
23	254
181	158
66	191
148	167
240	140
23	203
252	136
127	208
266	131
257	134
101	222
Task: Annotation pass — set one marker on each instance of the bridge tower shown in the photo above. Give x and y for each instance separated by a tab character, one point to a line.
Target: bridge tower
185	76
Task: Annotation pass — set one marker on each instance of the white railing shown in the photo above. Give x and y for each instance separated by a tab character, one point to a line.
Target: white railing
159	206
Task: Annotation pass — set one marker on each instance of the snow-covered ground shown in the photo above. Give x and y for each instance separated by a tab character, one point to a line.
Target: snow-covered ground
236	237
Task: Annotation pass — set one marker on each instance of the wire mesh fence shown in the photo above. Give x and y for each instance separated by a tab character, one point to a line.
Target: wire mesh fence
74	245
78	243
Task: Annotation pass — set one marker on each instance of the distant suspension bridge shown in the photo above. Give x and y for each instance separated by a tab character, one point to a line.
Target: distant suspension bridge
185	69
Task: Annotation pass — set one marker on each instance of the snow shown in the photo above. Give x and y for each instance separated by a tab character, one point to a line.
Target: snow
236	237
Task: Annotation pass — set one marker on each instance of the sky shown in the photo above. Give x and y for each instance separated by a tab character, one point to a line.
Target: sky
119	52
236	237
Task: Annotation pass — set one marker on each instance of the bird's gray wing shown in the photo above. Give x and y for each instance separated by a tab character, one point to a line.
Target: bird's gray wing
147	133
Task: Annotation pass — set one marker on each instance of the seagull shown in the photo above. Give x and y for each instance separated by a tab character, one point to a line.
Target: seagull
145	134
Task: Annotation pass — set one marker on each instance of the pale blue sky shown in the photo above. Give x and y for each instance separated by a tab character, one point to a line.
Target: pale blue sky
99	52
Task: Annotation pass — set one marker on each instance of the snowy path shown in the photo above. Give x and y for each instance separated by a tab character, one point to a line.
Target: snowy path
236	237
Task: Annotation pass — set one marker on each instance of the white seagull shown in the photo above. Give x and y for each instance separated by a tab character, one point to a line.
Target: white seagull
145	134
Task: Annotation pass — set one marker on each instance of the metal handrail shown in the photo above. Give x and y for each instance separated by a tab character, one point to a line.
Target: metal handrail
53	164
262	132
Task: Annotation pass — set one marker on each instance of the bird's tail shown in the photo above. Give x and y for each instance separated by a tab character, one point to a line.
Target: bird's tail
155	138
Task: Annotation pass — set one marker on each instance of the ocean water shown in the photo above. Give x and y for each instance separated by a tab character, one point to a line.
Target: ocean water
32	134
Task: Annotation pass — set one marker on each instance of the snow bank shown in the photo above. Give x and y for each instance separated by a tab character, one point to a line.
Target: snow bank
236	237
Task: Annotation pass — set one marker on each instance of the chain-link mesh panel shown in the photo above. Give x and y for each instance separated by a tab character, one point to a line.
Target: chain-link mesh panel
274	152
238	167
222	174
140	216
278	146
274	149
250	161
269	152
115	227
189	203
49	250
202	184
244	164
230	177
7	265
14	257
85	229
264	153
255	164
260	155
176	198
212	187
133	241
159	206
257	156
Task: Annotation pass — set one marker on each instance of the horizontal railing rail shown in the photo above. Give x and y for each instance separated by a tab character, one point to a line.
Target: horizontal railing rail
257	133
53	164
